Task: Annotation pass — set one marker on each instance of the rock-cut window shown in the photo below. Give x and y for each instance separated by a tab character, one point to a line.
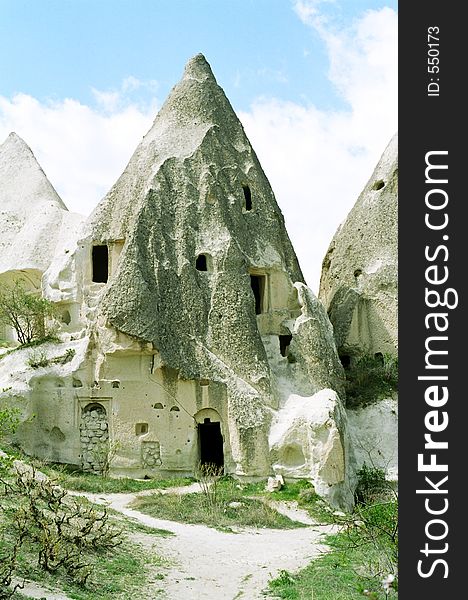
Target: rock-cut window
284	342
204	262
141	428
257	283
201	263
100	258
247	198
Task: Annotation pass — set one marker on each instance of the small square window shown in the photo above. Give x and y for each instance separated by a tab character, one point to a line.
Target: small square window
141	428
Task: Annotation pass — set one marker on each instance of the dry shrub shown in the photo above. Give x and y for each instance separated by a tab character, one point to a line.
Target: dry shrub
62	531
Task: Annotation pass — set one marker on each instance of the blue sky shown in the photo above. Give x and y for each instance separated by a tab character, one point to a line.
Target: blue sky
64	48
83	79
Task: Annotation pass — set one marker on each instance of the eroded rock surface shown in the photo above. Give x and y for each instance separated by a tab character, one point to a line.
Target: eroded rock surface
373	433
309	440
196	330
33	218
359	274
359	288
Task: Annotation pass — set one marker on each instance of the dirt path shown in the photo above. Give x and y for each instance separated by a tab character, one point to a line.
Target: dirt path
32	589
207	564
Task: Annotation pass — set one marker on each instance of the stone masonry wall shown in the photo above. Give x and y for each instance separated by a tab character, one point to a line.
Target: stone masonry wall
94	437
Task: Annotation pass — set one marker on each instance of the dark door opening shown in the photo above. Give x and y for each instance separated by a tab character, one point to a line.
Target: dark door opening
211	443
100	264
257	283
284	341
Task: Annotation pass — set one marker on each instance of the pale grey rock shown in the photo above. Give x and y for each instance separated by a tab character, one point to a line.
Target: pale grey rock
34	222
181	195
359	273
373	432
359	288
313	347
274	484
309	440
185	345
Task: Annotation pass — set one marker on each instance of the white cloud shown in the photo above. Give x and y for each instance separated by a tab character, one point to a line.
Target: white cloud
317	160
112	101
81	149
108	101
309	11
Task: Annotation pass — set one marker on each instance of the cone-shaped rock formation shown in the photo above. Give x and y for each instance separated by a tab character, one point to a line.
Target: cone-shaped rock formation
359	274
182	196
198	335
33	218
359	288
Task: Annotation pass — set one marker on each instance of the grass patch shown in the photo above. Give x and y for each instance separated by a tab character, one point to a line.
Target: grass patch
361	556
132	525
38	358
330	577
52	337
48	338
78	481
89	535
371	378
301	492
231	508
339	575
118	574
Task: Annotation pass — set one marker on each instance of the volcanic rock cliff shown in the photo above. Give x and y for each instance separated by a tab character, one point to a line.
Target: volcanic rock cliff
196	338
359	278
33	218
359	288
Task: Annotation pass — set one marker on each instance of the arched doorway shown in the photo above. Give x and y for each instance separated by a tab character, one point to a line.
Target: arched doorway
210	438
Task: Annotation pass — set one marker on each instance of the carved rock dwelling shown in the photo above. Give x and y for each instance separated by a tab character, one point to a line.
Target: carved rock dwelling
195	337
359	288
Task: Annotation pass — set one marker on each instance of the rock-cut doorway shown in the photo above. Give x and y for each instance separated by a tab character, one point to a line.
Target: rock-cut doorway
210	441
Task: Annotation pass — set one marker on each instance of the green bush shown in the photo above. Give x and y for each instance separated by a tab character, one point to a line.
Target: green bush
37	359
372	485
25	312
370	378
9	421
